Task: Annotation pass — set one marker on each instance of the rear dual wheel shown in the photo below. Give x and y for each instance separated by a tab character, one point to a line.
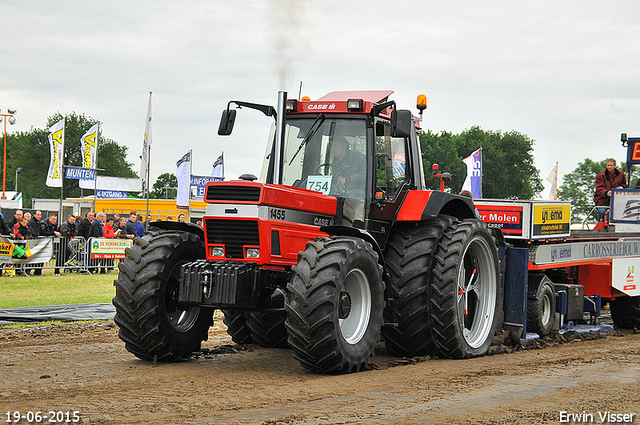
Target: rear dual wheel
408	257
465	291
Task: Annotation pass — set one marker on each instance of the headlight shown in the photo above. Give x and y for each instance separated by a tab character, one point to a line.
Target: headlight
253	252
217	251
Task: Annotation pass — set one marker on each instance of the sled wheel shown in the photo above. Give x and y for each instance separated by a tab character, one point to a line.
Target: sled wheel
465	290
625	312
541	305
153	324
408	257
335	305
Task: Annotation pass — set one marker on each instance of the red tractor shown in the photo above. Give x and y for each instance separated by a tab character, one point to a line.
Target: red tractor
337	245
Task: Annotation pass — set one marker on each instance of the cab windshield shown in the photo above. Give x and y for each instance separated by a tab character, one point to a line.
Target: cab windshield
326	154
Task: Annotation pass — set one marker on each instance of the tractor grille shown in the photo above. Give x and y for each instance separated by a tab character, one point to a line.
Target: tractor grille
233	193
234	234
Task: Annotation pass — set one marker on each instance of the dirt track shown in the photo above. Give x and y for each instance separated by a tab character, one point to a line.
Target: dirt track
86	368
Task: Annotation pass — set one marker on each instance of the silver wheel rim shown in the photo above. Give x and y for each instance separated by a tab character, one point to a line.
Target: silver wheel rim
546	310
180	318
477	289
354	325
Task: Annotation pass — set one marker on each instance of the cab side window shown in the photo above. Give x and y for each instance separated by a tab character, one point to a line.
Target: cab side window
391	170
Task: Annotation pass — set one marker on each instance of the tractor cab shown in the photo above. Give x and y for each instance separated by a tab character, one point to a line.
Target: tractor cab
345	145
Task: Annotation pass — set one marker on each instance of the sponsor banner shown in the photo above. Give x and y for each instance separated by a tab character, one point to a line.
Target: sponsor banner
123	184
113	194
625	206
109	248
201	181
78	173
56	145
549	219
505	217
183	173
37	250
89	148
580	251
473	182
625	275
218	167
146	144
398	165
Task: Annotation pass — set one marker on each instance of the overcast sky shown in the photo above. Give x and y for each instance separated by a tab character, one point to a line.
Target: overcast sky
565	73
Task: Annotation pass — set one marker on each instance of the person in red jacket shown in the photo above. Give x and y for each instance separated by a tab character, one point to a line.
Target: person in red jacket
608	179
108	231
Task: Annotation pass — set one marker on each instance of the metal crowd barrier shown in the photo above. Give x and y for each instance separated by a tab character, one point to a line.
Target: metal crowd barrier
69	256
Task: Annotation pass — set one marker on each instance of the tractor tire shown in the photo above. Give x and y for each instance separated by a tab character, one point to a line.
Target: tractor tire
335	305
153	325
541	307
625	312
236	321
408	257
465	292
267	329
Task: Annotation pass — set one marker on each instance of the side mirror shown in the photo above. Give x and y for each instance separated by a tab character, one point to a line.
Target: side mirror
226	122
401	123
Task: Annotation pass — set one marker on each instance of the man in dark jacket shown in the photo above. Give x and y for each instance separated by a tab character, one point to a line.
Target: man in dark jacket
606	180
4	227
85	225
34	224
68	230
131	223
49	228
17	216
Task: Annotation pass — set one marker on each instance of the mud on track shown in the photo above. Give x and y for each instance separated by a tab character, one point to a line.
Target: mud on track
86	368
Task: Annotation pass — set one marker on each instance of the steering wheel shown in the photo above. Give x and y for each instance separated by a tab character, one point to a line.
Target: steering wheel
337	186
337	167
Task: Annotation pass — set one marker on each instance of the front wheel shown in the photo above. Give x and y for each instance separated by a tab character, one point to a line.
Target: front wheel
335	305
153	324
465	290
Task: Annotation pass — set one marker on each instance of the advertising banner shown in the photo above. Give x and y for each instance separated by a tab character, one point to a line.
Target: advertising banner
56	145
37	250
108	248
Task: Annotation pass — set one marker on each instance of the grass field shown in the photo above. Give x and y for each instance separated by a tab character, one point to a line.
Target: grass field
70	288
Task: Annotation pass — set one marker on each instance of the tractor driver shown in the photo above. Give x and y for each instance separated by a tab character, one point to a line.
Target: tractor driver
349	167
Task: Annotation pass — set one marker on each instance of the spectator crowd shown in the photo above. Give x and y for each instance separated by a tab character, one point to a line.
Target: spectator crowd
24	226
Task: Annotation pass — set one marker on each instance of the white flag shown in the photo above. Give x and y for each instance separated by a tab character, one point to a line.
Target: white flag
89	148
146	145
56	144
183	173
553	179
218	167
473	182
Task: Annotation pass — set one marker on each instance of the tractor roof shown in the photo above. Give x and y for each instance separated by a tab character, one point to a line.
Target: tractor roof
373	96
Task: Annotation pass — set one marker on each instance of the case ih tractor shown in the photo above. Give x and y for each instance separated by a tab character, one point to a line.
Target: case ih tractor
337	246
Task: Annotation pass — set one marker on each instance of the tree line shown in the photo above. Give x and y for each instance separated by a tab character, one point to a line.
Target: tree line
508	170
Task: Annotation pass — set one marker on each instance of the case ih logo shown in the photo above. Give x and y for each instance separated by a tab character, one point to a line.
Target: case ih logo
319	106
